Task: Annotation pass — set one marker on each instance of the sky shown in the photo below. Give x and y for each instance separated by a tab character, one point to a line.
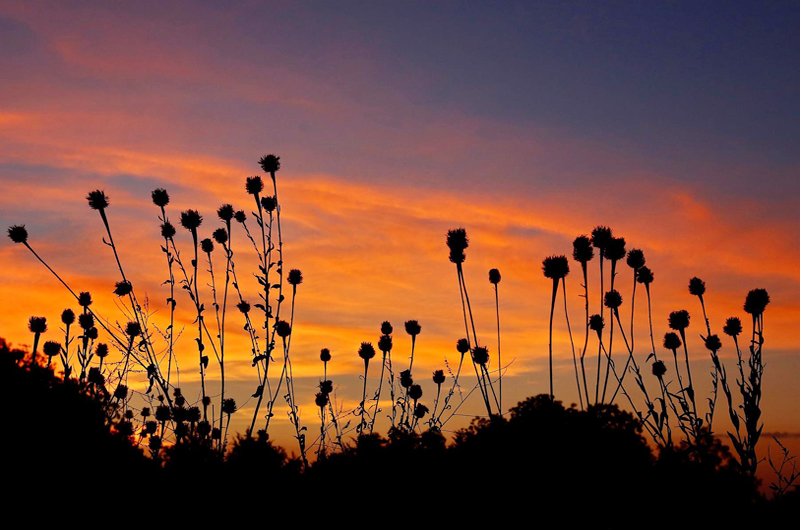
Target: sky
528	124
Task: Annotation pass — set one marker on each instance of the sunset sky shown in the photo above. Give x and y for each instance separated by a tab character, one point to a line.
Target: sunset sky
676	124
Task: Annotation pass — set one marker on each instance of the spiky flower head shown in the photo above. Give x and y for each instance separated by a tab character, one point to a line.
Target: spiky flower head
386	328
494	276
254	185
733	327
326	386
240	216
228	406
283	328
150	426
193	414
101	350
216	433
644	276
616	249
679	320
191	219
413	328
462	345
385	343
325	355
635	259
86	321
659	369
95	377
596	323
225	212
206	401
203	428
18	233
121	392
713	343
756	302
68	316
52	348
160	197
91	333
243	306
366	351
207	246
321	400
457	242
582	250
612	299
601	236
438	377
98	200
420	410
555	267
269	203
270	163
295	277
37	324
405	379
123	288
672	341
480	354
220	236
415	392
133	329
167	230
697	287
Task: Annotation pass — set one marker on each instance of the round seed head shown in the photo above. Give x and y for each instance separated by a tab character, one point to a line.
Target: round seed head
325	355
659	369
697	287
386	328
254	185
733	327
635	259
326	386
240	216
385	343
191	219
167	230
462	345
366	351
612	299
18	233
68	316
101	350
644	275
480	354
601	236
405	379
133	329
269	203
225	212
123	288
37	324
243	306
228	406
555	267
270	163
756	301
221	236
321	400
295	277
457	242
713	343
86	321
207	246
679	320
97	200
438	377
420	410
596	323
415	392
283	329
413	328
160	197
582	250
616	248
91	333
51	348
672	341
121	392
494	276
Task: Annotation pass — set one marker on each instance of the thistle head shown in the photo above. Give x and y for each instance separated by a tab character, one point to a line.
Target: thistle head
733	327
243	306
405	379
612	299
385	343
123	288
438	377
494	276
644	276
133	329
92	333
321	400
635	259
615	250
596	323
167	230
415	392
37	324
254	185
480	354
413	328
121	392
51	348
582	250
160	197
270	163
86	321
325	355
220	236
207	246
756	302
672	341
68	317
457	242
713	343
191	219
228	406
420	410
659	369
386	328
601	236
225	212
555	267
697	287
366	351
18	233
283	329
101	350
326	386
295	277
462	346
269	203
98	200
240	216
679	320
